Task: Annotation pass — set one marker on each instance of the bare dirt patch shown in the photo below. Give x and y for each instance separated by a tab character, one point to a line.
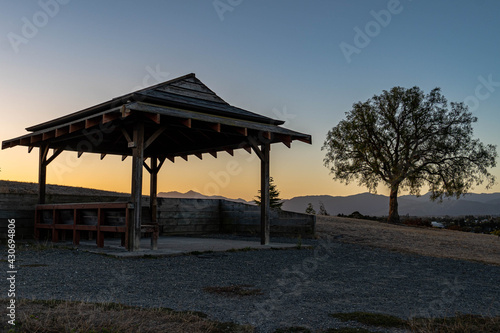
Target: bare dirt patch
424	241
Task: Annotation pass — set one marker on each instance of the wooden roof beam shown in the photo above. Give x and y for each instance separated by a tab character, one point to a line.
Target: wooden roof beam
265	134
126	135
242	130
56	153
154	136
103	156
171	158
48	135
62	131
30	148
305	139
230	152
286	140
35	138
108	117
80	153
184	157
215	127
155	117
213	153
147	167
124	157
91	122
76	126
25	141
125	111
248	149
187	137
199	155
162	160
255	146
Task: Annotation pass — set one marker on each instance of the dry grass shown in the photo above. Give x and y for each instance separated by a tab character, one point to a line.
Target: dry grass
458	324
423	241
72	317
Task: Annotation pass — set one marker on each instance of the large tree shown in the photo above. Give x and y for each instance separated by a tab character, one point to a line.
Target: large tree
406	139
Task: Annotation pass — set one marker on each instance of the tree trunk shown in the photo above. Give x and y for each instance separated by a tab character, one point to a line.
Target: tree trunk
393	205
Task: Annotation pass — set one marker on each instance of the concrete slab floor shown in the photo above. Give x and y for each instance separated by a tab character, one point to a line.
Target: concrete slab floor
174	245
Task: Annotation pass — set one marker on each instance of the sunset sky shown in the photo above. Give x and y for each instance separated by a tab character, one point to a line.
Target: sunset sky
305	62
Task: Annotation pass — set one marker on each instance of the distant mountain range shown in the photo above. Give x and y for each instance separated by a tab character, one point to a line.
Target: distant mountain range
378	205
196	195
365	203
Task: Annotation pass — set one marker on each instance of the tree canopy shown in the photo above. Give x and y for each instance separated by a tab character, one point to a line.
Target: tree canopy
406	139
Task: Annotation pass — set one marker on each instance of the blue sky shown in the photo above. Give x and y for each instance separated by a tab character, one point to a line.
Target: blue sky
278	58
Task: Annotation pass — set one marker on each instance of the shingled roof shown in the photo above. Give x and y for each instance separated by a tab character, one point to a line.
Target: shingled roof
183	114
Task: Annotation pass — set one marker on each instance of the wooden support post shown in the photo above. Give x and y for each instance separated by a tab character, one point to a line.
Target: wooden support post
42	173
264	195
153	189
137	165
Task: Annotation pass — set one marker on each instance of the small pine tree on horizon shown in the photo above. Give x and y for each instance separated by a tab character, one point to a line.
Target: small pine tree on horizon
322	210
274	200
310	209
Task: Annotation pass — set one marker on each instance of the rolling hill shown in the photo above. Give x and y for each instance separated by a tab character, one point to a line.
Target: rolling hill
378	205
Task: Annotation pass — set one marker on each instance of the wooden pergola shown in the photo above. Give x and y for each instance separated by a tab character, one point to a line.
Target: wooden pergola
177	118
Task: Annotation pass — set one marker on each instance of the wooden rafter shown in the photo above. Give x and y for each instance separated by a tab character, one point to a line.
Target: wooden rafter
76	126
108	117
36	138
62	131
147	167
91	122
162	160
155	117
154	136
242	130
126	135
48	135
216	127
56	153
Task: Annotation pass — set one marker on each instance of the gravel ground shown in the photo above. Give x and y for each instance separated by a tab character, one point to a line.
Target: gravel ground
300	287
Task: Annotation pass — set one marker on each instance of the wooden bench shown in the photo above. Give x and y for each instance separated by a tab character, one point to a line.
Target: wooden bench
110	217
